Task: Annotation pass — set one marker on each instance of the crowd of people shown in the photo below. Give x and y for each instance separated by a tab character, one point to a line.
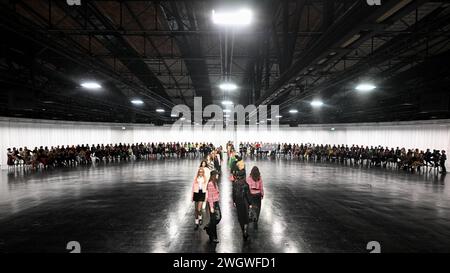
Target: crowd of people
71	155
247	192
413	160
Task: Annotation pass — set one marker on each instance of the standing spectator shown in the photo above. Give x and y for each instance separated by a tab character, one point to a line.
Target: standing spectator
442	160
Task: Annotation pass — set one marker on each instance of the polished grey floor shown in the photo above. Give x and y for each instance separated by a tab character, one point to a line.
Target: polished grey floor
146	207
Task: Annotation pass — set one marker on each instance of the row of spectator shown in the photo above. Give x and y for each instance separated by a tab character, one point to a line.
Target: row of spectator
402	158
60	156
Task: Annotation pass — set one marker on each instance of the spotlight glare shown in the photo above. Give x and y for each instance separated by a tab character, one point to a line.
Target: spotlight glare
316	103
160	110
227	102
227	111
228	86
293	111
240	17
365	87
137	102
279	116
91	85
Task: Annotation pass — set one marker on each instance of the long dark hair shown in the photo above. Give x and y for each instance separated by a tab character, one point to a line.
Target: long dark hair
213	178
201	163
255	174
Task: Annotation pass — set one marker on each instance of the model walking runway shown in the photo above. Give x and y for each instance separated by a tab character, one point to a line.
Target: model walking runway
146	207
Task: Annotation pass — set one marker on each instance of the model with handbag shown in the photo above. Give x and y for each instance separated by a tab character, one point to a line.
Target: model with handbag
255	184
215	215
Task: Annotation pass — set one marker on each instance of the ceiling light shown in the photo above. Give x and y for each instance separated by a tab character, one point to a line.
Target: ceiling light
91	85
293	111
279	116
137	102
316	103
240	17
227	102
228	86
227	111
160	110
322	61
365	87
174	115
226	116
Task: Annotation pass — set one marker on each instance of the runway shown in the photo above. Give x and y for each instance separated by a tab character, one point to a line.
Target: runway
146	207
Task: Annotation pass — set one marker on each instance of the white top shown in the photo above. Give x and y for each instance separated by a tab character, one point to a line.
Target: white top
200	181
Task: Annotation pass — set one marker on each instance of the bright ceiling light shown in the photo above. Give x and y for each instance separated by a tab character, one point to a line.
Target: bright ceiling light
226	116
316	103
174	115
228	86
227	102
160	110
279	116
137	102
227	111
365	87
91	85
242	17
293	111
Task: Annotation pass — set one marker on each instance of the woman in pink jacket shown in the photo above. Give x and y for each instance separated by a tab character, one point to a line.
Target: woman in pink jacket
255	184
198	195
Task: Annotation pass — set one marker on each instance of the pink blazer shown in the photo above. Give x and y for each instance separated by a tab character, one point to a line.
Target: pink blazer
195	185
256	187
212	195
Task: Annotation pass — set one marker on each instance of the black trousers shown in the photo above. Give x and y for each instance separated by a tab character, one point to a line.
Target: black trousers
212	225
256	202
444	170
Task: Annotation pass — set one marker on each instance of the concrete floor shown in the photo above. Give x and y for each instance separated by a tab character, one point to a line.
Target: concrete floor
145	207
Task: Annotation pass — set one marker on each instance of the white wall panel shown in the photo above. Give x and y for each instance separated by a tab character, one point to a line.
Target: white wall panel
35	133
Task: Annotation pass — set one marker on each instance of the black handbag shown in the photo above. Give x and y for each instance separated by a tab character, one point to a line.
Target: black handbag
217	212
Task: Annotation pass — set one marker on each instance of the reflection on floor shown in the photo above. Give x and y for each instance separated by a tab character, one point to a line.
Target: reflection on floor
146	207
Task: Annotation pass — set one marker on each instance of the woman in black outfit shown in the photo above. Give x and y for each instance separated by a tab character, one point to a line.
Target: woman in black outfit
241	198
212	198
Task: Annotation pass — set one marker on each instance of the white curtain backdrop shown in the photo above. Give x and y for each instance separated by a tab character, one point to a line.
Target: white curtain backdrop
34	133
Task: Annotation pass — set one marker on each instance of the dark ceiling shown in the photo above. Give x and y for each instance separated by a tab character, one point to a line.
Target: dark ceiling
167	52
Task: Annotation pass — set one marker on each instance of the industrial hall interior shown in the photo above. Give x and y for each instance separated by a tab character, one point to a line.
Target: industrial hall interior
224	126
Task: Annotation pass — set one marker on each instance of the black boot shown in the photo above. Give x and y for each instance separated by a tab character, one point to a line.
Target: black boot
245	230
